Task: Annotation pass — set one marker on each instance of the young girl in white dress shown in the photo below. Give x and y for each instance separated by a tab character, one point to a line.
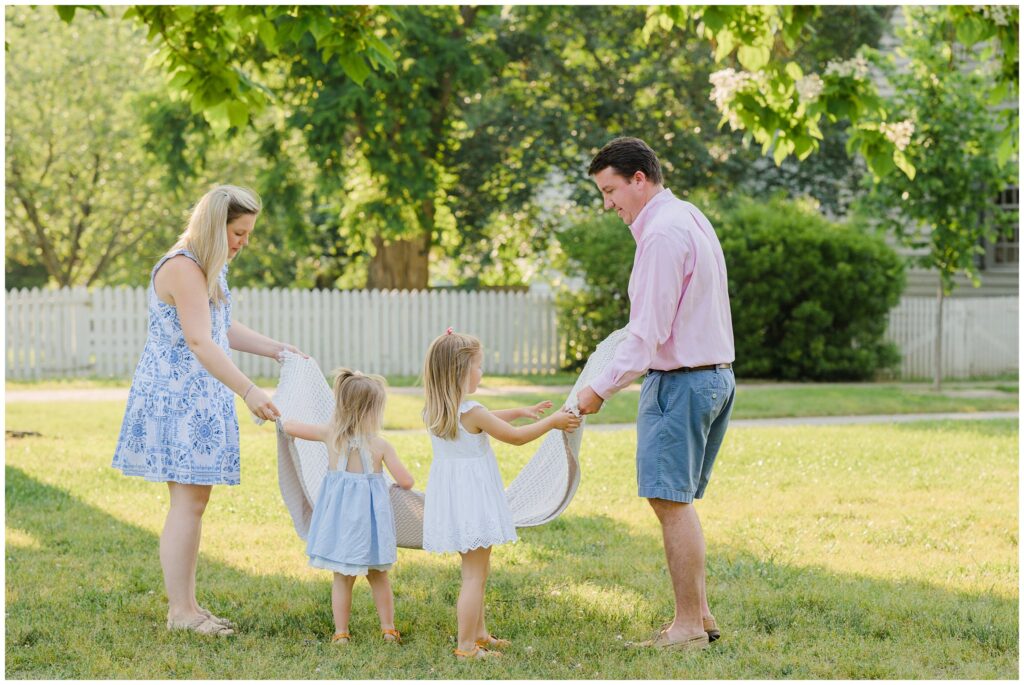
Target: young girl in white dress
465	508
352	531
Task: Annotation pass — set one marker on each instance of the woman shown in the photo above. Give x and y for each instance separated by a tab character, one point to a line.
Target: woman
180	425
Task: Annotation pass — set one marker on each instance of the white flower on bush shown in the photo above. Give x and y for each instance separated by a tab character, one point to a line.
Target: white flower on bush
856	67
1000	14
898	134
810	87
727	82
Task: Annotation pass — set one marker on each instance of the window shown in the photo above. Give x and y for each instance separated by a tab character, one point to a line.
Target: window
1006	249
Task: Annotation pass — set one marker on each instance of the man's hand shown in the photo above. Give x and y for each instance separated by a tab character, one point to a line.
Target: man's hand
589	401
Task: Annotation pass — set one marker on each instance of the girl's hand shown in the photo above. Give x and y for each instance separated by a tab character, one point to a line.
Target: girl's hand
564	421
290	348
260	405
537	410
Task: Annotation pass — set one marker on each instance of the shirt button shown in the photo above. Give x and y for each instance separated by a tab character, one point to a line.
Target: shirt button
714	395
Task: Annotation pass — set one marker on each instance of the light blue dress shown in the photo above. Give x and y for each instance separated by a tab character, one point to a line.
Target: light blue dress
180	423
352	530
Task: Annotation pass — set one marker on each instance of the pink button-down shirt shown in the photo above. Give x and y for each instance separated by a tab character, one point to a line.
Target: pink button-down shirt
678	294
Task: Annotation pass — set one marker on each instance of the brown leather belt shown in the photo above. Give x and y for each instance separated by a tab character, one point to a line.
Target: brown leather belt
706	367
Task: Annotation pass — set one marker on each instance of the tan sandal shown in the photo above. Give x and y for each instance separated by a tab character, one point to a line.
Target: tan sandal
217	619
491	641
477	652
201	625
391	635
341	638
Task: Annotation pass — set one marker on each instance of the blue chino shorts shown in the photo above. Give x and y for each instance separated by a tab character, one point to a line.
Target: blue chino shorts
680	427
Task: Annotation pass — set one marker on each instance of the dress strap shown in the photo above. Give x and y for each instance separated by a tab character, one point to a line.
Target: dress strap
175	253
365	458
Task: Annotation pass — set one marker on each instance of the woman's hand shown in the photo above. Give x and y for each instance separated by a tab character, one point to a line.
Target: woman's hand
260	405
537	410
564	421
290	348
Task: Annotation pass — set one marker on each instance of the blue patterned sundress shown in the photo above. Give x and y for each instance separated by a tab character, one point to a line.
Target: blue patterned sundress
180	423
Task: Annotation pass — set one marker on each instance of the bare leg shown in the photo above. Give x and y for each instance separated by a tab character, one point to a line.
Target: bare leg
179	548
684	551
483	634
704	608
470	606
383	598
341	601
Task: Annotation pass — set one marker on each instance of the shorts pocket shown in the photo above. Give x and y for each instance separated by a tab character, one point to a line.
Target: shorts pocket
649	395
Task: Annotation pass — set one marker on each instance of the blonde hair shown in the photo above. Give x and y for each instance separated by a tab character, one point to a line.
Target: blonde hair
206	234
358	407
444	376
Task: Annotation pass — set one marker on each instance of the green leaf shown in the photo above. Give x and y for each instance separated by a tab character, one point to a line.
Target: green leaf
268	34
903	164
753	57
217	117
783	147
970	30
238	114
725	45
1006	149
66	12
321	27
998	93
180	80
355	67
794	71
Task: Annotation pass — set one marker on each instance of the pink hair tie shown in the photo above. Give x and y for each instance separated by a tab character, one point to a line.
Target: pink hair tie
449	331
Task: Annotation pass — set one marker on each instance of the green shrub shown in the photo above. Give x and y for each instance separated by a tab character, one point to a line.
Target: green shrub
600	252
810	298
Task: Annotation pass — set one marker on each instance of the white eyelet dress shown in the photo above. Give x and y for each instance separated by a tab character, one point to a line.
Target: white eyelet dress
465	506
352	530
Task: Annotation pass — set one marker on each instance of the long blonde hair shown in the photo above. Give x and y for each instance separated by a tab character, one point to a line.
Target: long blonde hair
444	377
206	235
358	407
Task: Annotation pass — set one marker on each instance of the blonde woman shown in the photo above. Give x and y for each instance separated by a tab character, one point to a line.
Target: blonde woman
465	509
352	531
180	425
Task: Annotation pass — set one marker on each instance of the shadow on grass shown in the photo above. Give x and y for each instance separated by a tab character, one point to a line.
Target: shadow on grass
85	600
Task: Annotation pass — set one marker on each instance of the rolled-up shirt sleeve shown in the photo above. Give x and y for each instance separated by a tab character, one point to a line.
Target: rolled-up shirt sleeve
656	287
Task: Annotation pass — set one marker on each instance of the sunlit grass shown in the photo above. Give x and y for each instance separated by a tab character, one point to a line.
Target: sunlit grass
833	552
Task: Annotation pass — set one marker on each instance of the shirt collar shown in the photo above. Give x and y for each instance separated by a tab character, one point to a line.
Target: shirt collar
649	210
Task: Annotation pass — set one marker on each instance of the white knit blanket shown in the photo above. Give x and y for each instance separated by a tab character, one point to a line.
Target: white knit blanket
541	491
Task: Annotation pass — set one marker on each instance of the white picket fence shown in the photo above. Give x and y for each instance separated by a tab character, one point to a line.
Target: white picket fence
101	332
980	336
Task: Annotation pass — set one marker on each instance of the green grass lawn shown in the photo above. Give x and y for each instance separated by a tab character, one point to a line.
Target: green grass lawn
753	401
833	552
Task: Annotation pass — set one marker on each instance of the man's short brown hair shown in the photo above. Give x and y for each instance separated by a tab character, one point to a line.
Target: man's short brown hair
627	156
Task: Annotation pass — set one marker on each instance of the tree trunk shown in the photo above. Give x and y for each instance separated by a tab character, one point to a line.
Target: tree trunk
938	340
400	264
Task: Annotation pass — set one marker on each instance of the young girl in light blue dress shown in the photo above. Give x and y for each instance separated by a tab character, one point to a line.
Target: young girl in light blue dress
352	531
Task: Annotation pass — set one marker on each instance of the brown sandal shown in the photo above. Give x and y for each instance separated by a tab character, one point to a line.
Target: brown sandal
711	628
341	638
491	641
391	635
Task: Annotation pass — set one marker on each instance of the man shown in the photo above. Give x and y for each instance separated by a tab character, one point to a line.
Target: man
680	334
